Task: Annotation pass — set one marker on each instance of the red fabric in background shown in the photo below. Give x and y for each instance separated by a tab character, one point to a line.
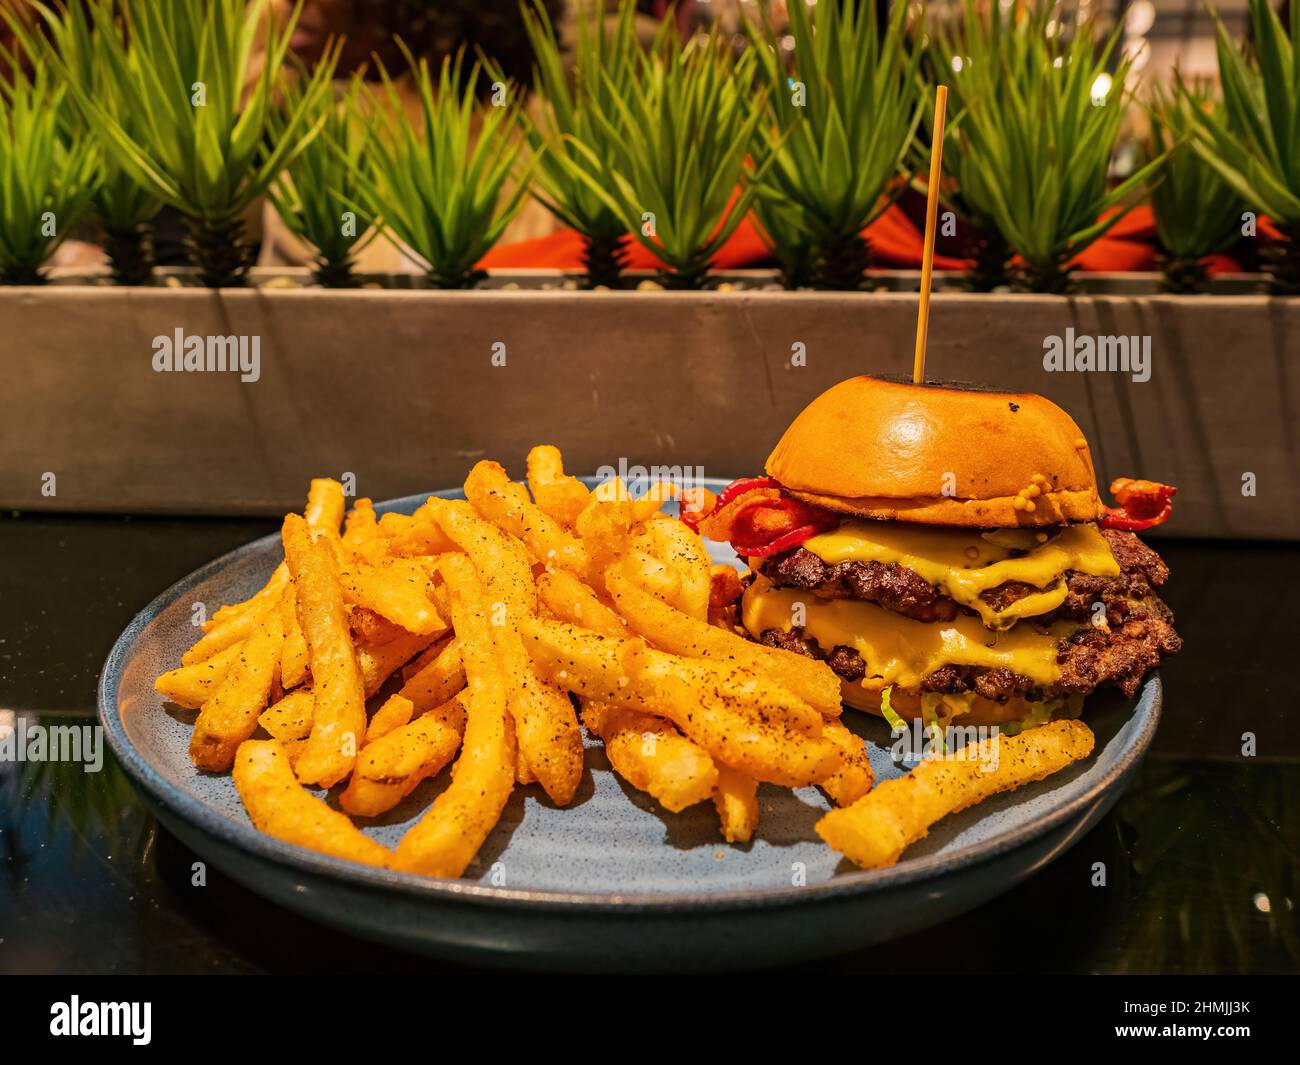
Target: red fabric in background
896	241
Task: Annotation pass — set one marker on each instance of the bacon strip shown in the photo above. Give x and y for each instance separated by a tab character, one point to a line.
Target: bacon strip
1142	505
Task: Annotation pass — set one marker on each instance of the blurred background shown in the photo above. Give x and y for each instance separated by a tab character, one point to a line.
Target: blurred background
1160	36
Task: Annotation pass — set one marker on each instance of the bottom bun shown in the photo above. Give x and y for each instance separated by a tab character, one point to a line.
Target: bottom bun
907	705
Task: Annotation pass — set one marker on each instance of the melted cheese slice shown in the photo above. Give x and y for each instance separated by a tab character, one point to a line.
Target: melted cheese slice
963	563
898	650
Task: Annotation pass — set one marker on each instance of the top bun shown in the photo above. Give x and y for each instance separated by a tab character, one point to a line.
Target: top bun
938	456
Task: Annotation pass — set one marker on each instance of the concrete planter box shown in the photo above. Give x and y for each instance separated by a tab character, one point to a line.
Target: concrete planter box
401	388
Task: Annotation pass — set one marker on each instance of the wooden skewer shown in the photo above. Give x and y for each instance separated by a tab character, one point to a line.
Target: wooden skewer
931	220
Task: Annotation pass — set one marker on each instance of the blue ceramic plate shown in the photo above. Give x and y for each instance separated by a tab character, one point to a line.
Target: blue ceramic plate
612	881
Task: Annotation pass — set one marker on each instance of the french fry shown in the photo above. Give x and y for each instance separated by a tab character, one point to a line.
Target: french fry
392	766
395	713
290	718
293	751
416	534
425	657
546	727
736	800
605	527
659	580
652	756
682	551
361	536
369	629
295	663
810	680
612	490
739	718
192	686
397	590
277	583
725	588
235	630
876	829
378	662
559	495
507	577
230	716
505	503
648	505
325	506
339	718
438	681
569	599
278	806
855	778
444	841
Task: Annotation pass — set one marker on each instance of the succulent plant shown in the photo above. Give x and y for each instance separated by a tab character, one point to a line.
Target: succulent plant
1253	141
842	123
46	177
1197	212
439	185
197	119
1038	116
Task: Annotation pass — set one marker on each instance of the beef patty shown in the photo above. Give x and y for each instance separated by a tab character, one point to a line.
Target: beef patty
904	591
1138	632
1119	654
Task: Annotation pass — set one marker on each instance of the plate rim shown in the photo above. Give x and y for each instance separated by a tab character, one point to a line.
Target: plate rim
200	815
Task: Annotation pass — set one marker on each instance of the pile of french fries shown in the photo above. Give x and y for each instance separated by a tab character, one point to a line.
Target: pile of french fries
486	634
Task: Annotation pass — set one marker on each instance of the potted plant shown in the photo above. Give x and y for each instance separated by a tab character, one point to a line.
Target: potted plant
193	123
1197	212
440	185
316	196
123	207
841	124
1254	141
677	135
606	63
1040	116
46	177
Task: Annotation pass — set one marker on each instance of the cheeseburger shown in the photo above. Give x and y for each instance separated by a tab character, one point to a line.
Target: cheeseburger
946	552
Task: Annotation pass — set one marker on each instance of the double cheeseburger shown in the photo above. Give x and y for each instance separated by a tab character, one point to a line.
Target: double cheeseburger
947	553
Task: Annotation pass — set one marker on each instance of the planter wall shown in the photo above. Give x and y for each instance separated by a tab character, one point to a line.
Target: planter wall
400	388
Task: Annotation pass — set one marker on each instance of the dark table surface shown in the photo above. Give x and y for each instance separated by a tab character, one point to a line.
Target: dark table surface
1202	853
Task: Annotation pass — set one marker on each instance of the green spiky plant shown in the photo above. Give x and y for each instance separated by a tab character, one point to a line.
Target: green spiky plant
440	185
1197	212
788	239
1035	138
842	125
46	178
678	139
317	193
123	207
956	44
209	140
1254	142
605	65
